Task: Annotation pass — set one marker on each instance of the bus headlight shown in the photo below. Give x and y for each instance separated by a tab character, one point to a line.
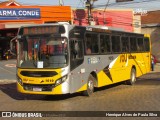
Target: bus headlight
61	80
19	80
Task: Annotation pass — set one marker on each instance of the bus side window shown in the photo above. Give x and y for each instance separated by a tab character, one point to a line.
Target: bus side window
125	44
88	48
73	48
116	44
76	52
140	45
94	43
91	44
78	49
102	44
105	44
133	44
146	44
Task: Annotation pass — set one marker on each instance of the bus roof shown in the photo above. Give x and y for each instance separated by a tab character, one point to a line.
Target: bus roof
35	25
97	28
107	28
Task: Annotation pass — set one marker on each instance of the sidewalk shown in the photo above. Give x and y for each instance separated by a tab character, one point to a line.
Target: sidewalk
156	67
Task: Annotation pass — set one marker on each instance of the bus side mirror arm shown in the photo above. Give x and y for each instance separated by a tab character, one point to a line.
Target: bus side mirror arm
13	45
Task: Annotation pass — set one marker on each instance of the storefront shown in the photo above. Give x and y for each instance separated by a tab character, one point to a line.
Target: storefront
13	15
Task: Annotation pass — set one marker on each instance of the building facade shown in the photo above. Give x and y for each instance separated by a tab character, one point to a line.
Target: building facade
13	15
121	19
151	25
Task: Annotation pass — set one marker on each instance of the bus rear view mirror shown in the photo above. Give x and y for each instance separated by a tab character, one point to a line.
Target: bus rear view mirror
13	45
54	41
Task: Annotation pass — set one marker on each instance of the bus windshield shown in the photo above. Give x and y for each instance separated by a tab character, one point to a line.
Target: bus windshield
42	52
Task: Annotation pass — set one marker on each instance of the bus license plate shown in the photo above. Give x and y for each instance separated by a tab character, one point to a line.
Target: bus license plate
37	89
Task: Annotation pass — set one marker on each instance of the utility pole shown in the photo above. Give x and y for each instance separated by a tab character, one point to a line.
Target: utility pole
89	8
104	14
60	2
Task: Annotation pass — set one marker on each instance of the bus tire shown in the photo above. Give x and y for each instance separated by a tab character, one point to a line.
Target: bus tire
132	79
90	86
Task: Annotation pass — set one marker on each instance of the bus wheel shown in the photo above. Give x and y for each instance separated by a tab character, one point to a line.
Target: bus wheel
90	86
132	78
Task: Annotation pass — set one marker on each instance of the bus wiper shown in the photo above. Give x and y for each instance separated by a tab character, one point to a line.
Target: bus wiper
57	62
34	63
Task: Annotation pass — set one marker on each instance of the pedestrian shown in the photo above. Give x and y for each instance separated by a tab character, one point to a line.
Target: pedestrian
152	62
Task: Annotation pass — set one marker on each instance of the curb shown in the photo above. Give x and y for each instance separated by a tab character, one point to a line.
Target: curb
7	81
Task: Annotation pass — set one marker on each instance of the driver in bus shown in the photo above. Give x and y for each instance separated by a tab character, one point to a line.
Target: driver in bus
88	49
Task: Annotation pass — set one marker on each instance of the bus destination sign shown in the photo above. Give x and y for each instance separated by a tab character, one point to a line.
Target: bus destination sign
40	30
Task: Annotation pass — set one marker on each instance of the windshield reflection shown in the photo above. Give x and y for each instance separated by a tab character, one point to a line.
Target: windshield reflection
42	52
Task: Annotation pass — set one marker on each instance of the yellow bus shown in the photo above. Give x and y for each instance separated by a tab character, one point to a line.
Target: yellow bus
61	58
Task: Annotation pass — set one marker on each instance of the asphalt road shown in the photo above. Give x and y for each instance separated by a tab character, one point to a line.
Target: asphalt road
8	69
143	96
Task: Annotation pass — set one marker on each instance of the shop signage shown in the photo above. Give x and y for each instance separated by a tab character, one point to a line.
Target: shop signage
19	13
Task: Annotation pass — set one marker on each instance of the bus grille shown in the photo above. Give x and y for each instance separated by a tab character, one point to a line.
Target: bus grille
38	88
38	73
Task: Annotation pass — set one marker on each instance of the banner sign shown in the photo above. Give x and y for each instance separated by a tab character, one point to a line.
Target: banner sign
19	13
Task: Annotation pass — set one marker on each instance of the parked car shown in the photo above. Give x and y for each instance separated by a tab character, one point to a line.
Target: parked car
7	55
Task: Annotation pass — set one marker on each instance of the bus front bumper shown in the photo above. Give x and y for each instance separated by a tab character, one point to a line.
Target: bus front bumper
44	90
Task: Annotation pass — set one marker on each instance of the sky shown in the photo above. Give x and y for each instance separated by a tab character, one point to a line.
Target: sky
148	5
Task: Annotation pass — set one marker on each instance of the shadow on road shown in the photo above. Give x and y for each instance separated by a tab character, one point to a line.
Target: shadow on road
10	90
152	78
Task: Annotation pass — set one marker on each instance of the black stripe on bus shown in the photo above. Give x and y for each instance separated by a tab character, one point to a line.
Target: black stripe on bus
107	72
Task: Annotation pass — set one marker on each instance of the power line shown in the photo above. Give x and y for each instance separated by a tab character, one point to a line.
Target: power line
119	16
121	22
104	15
80	2
125	3
95	6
